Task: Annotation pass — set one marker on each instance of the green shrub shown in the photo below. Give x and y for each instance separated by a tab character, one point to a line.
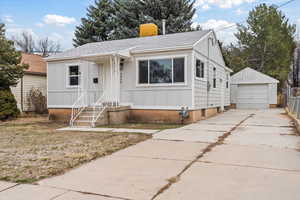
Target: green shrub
8	105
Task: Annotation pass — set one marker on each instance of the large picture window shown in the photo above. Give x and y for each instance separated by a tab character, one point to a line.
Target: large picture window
158	71
73	76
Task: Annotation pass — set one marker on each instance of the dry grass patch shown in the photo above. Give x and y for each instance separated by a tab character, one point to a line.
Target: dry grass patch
32	149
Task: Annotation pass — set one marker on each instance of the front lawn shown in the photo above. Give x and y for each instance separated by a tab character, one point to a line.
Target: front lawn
32	149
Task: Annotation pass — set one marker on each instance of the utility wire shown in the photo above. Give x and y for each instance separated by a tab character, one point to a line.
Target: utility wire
231	26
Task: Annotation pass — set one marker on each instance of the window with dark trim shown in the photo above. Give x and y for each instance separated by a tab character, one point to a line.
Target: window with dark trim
227	80
214	78
73	75
199	69
155	71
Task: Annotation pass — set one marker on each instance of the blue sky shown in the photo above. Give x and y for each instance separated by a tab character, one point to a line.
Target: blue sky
57	19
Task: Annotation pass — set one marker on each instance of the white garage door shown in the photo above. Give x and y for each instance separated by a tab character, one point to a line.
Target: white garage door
252	96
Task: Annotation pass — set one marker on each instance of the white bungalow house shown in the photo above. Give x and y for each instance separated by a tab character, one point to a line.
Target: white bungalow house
149	79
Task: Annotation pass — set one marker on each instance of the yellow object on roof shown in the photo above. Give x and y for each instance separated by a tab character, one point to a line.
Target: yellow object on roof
148	30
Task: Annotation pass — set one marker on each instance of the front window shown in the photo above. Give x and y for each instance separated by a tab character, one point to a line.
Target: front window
155	71
73	75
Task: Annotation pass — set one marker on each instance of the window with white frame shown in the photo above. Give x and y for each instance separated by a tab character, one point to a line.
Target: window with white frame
159	71
73	75
214	77
199	69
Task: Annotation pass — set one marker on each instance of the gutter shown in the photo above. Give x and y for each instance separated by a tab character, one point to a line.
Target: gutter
35	73
155	50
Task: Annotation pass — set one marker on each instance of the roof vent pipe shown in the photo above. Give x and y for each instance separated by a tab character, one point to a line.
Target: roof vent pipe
164	27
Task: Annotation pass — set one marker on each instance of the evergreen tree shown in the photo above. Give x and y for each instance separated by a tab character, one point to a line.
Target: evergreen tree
128	17
10	73
132	13
97	25
266	42
10	69
119	19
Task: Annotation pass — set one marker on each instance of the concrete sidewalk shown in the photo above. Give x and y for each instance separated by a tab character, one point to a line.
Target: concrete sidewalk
233	156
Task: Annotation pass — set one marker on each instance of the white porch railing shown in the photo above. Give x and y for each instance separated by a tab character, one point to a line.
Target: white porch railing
98	108
77	108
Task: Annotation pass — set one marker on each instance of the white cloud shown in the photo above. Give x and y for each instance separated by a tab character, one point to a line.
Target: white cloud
8	19
222	3
195	17
205	7
18	31
58	20
40	24
65	39
240	11
225	30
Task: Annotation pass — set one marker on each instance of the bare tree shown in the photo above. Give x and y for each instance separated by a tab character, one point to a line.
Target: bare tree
46	46
25	42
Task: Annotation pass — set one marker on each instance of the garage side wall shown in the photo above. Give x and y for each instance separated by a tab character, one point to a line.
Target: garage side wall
273	94
233	93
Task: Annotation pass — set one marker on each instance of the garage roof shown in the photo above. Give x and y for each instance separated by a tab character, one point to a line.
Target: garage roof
251	76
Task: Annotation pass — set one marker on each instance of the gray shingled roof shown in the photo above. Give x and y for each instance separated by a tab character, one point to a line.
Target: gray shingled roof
134	44
251	76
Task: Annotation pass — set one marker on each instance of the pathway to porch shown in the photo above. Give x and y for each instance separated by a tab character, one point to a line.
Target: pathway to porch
240	154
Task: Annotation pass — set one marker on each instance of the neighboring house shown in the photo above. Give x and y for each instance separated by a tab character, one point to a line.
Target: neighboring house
156	76
35	77
251	89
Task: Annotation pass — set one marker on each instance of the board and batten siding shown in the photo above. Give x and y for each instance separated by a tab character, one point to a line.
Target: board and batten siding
60	95
153	96
144	97
29	82
211	98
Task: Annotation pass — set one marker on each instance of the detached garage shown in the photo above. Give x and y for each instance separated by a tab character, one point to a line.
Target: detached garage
251	89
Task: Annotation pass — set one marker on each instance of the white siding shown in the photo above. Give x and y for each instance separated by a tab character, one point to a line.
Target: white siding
204	99
60	95
169	97
273	93
233	93
17	93
155	97
29	82
249	76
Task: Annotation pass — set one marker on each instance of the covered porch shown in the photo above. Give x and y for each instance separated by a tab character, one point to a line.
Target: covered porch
107	78
99	87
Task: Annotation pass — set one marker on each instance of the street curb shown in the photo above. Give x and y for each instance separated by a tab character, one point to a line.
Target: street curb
295	120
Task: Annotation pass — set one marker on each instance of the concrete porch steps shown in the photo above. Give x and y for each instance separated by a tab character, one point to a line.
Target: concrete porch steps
111	115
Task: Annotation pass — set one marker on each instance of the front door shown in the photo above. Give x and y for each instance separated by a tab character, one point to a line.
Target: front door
94	84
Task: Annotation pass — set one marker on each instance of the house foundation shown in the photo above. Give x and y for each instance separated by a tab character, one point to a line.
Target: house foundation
124	115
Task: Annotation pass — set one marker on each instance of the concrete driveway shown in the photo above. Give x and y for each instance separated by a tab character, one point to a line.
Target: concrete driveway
240	154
